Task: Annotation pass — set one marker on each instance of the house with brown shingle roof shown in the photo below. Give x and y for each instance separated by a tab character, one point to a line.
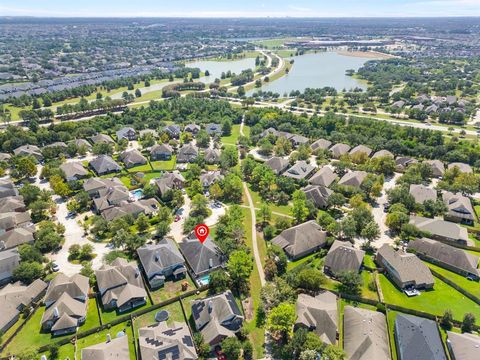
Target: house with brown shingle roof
339	149
342	257
442	230
277	164
360	149
320	144
422	193
111	349
324	177
353	178
460	208
438	168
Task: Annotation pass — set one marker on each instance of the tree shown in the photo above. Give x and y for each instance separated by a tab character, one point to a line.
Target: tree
241	91
228	157
227	127
395	220
371	231
468	322
30	253
265	213
447	320
219	282
142	223
240	267
348	227
27	272
299	208
351	282
199	206
332	352
310	279
138	93
232	348
308	355
232	188
88	272
281	320
59	186
216	192
336	200
48	237
24	168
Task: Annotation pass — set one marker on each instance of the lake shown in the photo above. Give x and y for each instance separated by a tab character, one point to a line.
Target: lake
217	67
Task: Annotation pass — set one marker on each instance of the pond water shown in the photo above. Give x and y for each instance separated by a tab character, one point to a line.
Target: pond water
317	71
217	67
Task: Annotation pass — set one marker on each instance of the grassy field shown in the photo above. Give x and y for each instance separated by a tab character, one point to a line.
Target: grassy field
166	165
171	289
473	287
391	316
140	168
366	292
174	311
232	139
271	43
257	202
435	302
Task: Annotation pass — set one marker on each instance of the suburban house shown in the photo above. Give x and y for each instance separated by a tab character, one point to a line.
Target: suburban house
187	153
66	304
7	188
463	346
173	131
209	178
110	349
277	164
12	204
5	157
120	285
460	208
161	152
170	181
14	298
462	167
442	230
295	139
192	128
127	133
449	257
422	193
9	260
16	237
59	146
164	341
360	149
201	258
298	140
406	270
438	168
73	171
212	156
214	129
301	240
417	338
339	150
323	177
97	187
161	261
353	178
365	334
148	207
109	197
29	150
382	154
104	164
341	257
131	158
403	162
319	314
217	317
102	139
318	195
81	143
320	144
300	170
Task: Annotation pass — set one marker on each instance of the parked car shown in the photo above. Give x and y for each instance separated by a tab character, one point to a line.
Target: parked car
55	267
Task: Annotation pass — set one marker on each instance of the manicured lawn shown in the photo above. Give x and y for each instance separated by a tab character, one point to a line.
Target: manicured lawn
64	352
92	315
368	261
473	287
366	292
294	264
257	202
109	316
140	168
233	137
164	165
152	175
174	311
391	316
435	302
171	289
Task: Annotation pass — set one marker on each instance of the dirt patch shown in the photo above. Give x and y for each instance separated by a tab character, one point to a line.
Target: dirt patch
247	305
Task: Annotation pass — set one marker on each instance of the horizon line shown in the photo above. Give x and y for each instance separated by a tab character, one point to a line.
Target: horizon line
239	17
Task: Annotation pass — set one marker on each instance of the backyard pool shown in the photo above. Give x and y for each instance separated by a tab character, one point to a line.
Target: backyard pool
204	280
137	194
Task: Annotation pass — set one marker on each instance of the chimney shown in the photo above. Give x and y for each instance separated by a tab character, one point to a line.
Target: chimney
210	306
210	263
109	338
56	314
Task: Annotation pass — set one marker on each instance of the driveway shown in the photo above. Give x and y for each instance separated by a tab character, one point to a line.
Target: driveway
176	229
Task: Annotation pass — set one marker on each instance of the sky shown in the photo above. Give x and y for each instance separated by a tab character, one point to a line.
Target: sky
242	8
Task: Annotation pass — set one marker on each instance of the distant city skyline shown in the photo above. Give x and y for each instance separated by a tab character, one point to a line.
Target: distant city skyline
245	8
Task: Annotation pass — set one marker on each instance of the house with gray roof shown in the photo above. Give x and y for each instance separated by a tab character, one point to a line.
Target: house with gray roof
16	237
398	104
98	187
12	220
406	270
339	150
161	261
460	208
462	167
120	285
170	181
417	338
7	188
201	258
66	304
422	193
318	195
12	204
81	143
403	162
73	171
102	139
438	168
360	149
187	153
148	207
365	334
441	230
132	158
446	256
5	157
301	240
173	131
353	178
166	341
323	177
320	144
9	260
126	133
14	298
300	170
161	152
214	129
342	257
298	140
192	128
116	348
382	154
212	156
463	346
29	150
104	164
277	164
318	314
217	317
209	178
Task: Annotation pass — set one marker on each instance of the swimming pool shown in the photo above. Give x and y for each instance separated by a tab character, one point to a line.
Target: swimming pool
204	280
137	194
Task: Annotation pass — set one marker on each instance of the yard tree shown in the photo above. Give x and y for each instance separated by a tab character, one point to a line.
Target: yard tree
336	200
232	348
59	186
395	220
27	272
232	188
447	320
219	282
276	292
332	352
30	193
30	253
24	168
351	282
265	213
228	157
227	127
310	279
299	208
240	266
203	139
371	231
348	227
308	355
281	320
142	222
468	322
199	206
195	188
216	191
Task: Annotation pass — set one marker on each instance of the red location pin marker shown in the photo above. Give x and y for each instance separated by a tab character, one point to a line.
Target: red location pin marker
201	232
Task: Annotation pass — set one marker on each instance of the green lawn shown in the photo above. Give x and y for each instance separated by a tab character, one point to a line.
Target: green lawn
293	264
257	202
368	261
92	315
435	302
232	139
174	311
140	168
171	289
166	165
366	292
473	287
391	316
152	175
109	316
